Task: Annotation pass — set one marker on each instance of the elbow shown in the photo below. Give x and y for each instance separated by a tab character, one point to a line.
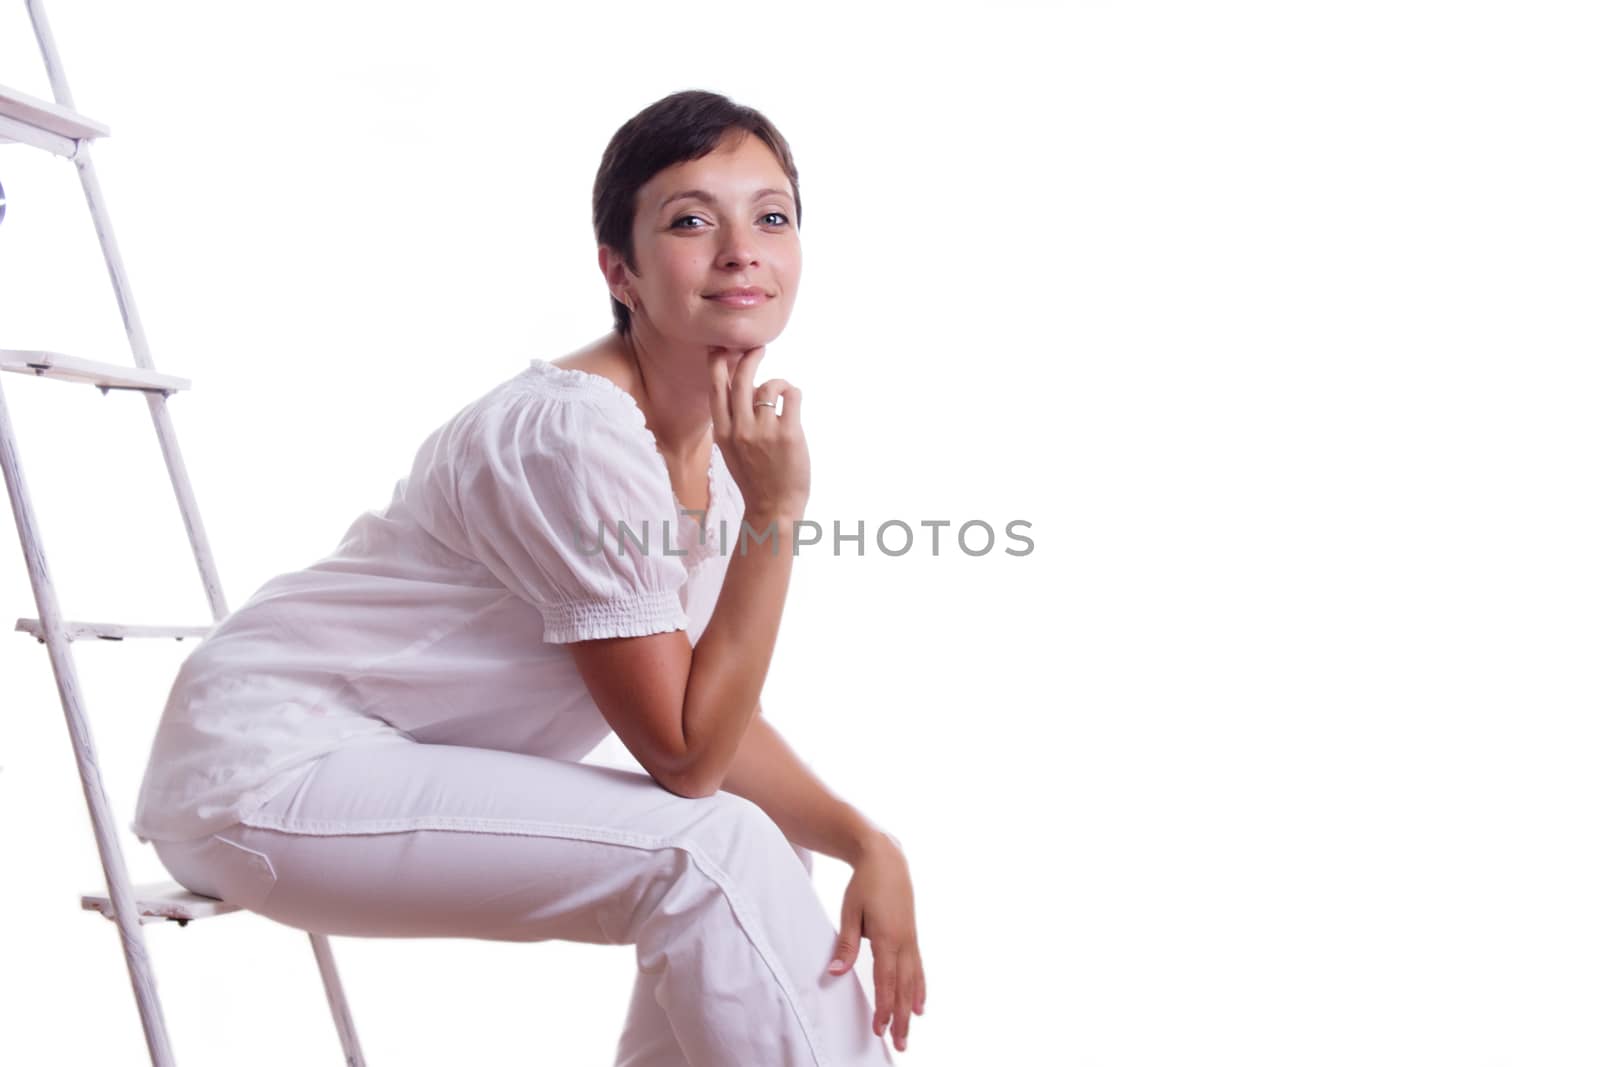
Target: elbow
688	784
701	790
684	772
695	789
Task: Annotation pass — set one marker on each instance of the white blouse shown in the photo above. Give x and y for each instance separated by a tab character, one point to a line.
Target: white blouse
537	515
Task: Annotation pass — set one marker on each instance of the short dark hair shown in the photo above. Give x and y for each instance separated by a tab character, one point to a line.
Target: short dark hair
683	126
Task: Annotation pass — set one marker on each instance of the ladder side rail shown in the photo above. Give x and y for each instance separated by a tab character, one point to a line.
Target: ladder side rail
52	59
120	889
83	159
343	1022
188	508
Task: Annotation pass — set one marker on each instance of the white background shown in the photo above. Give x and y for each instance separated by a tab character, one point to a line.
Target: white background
1276	321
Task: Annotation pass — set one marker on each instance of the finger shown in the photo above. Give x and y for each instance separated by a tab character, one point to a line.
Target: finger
902	997
844	953
921	1006
770	389
721	417
883	972
742	402
791	406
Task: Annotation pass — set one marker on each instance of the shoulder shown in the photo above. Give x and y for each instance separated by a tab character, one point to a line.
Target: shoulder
571	440
604	360
556	410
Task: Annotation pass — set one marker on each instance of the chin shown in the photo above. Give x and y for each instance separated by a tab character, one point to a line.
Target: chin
751	332
751	336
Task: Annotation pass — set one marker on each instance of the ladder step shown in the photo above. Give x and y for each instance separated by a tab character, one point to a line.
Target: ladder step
74	369
114	631
162	900
44	123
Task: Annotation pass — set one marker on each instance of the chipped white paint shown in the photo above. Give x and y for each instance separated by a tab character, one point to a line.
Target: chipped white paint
59	129
113	631
76	369
163	900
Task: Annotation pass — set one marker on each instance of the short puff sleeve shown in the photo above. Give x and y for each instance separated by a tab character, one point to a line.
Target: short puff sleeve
567	502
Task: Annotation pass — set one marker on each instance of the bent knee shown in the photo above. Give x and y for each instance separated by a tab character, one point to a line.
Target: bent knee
737	829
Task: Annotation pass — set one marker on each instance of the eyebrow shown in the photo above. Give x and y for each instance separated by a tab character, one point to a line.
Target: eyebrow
701	194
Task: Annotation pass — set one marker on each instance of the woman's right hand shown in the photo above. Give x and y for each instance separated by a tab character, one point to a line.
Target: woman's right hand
765	452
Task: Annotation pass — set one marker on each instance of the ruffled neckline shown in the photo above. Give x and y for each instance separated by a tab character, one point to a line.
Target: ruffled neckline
700	540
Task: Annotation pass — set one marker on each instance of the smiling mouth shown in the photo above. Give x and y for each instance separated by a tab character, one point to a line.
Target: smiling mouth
740	299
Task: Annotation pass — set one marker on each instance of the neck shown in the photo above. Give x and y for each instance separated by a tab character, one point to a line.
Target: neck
672	383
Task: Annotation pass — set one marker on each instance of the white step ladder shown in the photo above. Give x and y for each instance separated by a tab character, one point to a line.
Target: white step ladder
57	128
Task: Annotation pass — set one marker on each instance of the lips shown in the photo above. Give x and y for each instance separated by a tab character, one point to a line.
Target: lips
744	297
743	292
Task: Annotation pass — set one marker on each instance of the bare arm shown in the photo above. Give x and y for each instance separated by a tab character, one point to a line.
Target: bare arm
767	771
683	710
879	903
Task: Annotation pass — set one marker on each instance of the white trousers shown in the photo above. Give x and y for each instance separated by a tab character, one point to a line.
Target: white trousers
424	840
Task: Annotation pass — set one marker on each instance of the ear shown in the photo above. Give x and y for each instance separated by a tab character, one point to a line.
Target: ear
616	274
613	268
609	261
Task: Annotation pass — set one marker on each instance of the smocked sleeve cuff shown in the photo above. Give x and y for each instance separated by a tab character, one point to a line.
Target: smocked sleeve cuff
647	613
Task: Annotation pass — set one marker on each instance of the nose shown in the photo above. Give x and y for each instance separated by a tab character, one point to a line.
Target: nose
738	250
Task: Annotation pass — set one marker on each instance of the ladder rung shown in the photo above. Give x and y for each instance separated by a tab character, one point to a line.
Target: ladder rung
113	631
162	900
75	369
44	123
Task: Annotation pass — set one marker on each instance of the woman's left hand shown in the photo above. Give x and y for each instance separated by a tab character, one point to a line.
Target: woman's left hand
878	906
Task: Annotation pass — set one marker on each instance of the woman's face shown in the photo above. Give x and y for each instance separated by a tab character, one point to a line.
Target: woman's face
725	220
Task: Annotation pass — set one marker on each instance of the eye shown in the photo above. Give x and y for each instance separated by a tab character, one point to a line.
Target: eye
686	218
777	214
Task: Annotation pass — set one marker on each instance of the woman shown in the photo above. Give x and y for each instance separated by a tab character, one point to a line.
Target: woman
387	743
